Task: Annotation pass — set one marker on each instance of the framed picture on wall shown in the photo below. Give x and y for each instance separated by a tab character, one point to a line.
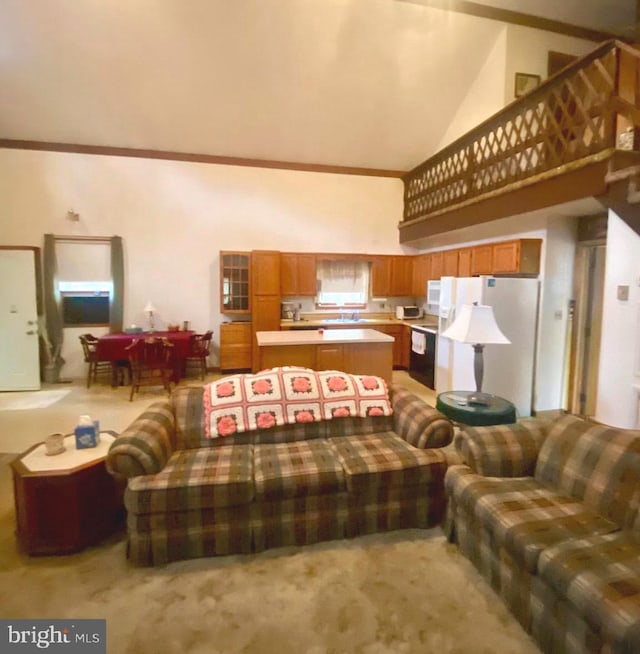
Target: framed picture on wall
525	82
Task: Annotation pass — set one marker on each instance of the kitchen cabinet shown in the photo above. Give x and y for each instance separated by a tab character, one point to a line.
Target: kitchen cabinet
235	346
265	295
330	356
265	272
381	276
420	275
436	266
401	276
397	331
235	282
298	274
482	259
464	262
450	263
521	256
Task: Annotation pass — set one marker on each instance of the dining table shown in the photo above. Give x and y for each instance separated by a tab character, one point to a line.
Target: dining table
113	347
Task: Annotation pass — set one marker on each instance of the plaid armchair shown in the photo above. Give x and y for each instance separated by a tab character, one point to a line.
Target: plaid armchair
549	512
188	496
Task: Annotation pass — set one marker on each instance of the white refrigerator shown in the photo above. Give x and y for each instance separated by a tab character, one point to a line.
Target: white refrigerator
509	370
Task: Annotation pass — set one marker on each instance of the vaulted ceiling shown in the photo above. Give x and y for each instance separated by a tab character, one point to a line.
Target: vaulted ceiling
362	83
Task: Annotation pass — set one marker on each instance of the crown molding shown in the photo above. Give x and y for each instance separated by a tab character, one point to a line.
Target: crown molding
168	155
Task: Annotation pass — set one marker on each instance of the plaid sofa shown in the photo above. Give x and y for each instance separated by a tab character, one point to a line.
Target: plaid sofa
188	496
550	515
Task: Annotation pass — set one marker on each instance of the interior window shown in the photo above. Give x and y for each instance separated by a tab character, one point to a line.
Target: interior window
85	286
342	284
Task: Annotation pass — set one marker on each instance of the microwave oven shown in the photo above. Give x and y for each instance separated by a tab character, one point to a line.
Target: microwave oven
406	312
433	291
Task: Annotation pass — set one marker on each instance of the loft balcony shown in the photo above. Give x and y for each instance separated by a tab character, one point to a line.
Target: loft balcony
575	136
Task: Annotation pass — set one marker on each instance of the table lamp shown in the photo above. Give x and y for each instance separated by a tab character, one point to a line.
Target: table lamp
477	325
149	308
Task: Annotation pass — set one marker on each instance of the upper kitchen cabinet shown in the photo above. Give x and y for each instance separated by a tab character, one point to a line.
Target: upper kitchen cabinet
519	257
401	276
235	280
298	274
420	275
450	263
437	266
482	259
381	276
464	262
265	272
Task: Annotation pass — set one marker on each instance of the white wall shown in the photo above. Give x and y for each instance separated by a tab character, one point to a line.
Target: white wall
556	289
175	217
527	52
620	344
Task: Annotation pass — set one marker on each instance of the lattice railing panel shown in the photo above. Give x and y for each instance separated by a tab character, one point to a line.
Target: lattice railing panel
568	117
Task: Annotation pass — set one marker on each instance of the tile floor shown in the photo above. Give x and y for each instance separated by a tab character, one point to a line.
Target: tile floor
19	429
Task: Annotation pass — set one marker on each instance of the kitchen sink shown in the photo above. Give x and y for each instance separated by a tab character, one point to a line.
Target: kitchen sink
337	321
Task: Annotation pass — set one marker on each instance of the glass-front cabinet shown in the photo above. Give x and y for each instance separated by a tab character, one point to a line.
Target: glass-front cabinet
235	278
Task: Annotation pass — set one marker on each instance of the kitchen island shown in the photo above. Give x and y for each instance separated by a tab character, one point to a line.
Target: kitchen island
356	351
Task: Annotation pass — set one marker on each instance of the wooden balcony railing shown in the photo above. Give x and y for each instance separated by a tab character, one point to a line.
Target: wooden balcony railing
573	115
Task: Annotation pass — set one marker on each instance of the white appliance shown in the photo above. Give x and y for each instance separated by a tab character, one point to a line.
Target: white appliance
406	312
509	370
433	291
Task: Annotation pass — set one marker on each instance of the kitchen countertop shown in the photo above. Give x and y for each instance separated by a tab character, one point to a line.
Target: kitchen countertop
315	337
308	323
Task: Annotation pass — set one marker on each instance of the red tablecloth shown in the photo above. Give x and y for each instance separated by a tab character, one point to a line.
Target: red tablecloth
112	347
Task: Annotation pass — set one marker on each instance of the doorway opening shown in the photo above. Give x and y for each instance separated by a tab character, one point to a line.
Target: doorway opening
585	326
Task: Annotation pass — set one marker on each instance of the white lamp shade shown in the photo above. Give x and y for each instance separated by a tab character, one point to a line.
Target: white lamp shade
476	324
149	308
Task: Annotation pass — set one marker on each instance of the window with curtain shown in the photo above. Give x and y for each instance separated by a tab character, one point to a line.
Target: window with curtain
84	281
343	284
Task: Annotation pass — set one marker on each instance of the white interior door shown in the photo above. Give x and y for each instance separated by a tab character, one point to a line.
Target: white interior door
19	357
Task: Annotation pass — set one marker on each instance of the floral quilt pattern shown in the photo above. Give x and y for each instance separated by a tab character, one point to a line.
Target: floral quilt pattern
288	395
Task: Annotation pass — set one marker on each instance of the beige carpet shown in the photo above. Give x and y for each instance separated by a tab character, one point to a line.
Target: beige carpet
26	400
397	593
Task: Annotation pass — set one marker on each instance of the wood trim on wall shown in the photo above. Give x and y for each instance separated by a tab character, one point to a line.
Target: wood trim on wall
168	155
518	18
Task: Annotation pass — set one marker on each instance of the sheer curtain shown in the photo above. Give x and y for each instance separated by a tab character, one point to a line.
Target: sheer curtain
52	334
343	282
116	303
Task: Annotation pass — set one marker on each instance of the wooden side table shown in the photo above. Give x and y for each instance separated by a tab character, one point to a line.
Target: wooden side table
65	502
456	406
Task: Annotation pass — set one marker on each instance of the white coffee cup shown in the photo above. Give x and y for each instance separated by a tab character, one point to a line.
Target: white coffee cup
54	444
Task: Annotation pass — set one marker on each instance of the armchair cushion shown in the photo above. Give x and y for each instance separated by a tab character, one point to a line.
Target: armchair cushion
502	450
146	445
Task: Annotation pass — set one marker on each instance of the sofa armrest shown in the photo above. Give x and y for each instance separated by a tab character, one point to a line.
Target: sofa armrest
145	446
502	450
418	423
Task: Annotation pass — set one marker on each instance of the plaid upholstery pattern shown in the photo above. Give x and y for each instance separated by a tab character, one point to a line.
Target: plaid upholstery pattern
286	470
298	521
195	479
562	548
386	508
502	450
524	516
418	423
599	465
386	460
188	496
146	445
159	538
600	575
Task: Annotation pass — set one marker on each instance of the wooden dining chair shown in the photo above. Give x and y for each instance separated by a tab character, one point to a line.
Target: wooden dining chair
96	365
151	363
199	350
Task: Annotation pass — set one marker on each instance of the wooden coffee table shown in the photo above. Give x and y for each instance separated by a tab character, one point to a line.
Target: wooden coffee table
67	501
